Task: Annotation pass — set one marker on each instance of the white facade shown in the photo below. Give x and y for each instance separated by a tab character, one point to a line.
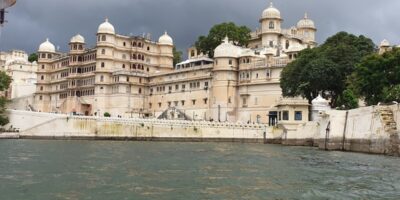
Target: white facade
129	76
23	73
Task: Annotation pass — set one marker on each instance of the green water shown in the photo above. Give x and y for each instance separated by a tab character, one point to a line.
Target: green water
145	170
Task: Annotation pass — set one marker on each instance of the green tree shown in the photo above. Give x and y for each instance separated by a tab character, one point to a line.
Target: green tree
325	68
177	56
33	57
107	114
347	100
5	81
240	35
377	77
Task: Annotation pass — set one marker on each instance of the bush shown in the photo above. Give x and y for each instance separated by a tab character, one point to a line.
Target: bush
347	100
106	114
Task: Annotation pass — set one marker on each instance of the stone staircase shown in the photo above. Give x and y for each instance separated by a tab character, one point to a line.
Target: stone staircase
390	127
387	118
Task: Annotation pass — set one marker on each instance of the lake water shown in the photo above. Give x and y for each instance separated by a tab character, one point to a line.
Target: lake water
33	169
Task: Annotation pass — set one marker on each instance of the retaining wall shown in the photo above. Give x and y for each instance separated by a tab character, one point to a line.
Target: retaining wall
46	125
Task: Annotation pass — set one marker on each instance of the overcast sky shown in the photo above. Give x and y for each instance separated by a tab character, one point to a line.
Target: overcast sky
32	21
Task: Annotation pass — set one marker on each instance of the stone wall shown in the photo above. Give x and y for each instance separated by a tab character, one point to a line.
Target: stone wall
46	125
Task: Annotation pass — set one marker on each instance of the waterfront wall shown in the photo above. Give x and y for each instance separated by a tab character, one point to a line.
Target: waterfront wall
46	125
369	130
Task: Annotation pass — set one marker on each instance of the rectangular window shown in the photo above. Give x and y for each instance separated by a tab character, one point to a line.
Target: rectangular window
183	103
176	87
230	62
285	115
298	116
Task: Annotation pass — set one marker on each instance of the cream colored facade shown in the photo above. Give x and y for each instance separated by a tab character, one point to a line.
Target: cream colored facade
135	77
23	73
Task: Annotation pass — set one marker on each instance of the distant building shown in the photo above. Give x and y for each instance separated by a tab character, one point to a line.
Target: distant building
134	76
23	73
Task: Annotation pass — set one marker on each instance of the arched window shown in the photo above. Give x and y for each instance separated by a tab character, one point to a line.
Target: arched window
101	78
287	44
124	56
140	90
134	44
102	64
271	25
42	77
103	38
41	88
103	51
123	66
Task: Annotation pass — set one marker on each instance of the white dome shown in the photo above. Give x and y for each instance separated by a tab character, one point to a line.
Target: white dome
78	39
165	39
227	49
271	12
306	23
47	46
106	27
385	43
319	101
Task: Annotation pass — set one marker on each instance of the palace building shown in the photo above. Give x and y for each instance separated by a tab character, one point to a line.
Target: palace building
22	72
129	76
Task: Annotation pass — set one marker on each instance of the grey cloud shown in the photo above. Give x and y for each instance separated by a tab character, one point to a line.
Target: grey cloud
30	22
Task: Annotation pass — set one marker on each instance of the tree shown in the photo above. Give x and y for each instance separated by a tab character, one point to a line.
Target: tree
325	68
5	81
33	57
107	114
240	35
377	77
347	100
177	56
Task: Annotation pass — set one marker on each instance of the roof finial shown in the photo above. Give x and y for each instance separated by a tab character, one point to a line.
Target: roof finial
226	39
271	4
165	32
47	39
305	15
106	19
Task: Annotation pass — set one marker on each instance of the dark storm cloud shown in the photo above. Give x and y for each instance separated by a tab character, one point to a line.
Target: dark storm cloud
31	21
